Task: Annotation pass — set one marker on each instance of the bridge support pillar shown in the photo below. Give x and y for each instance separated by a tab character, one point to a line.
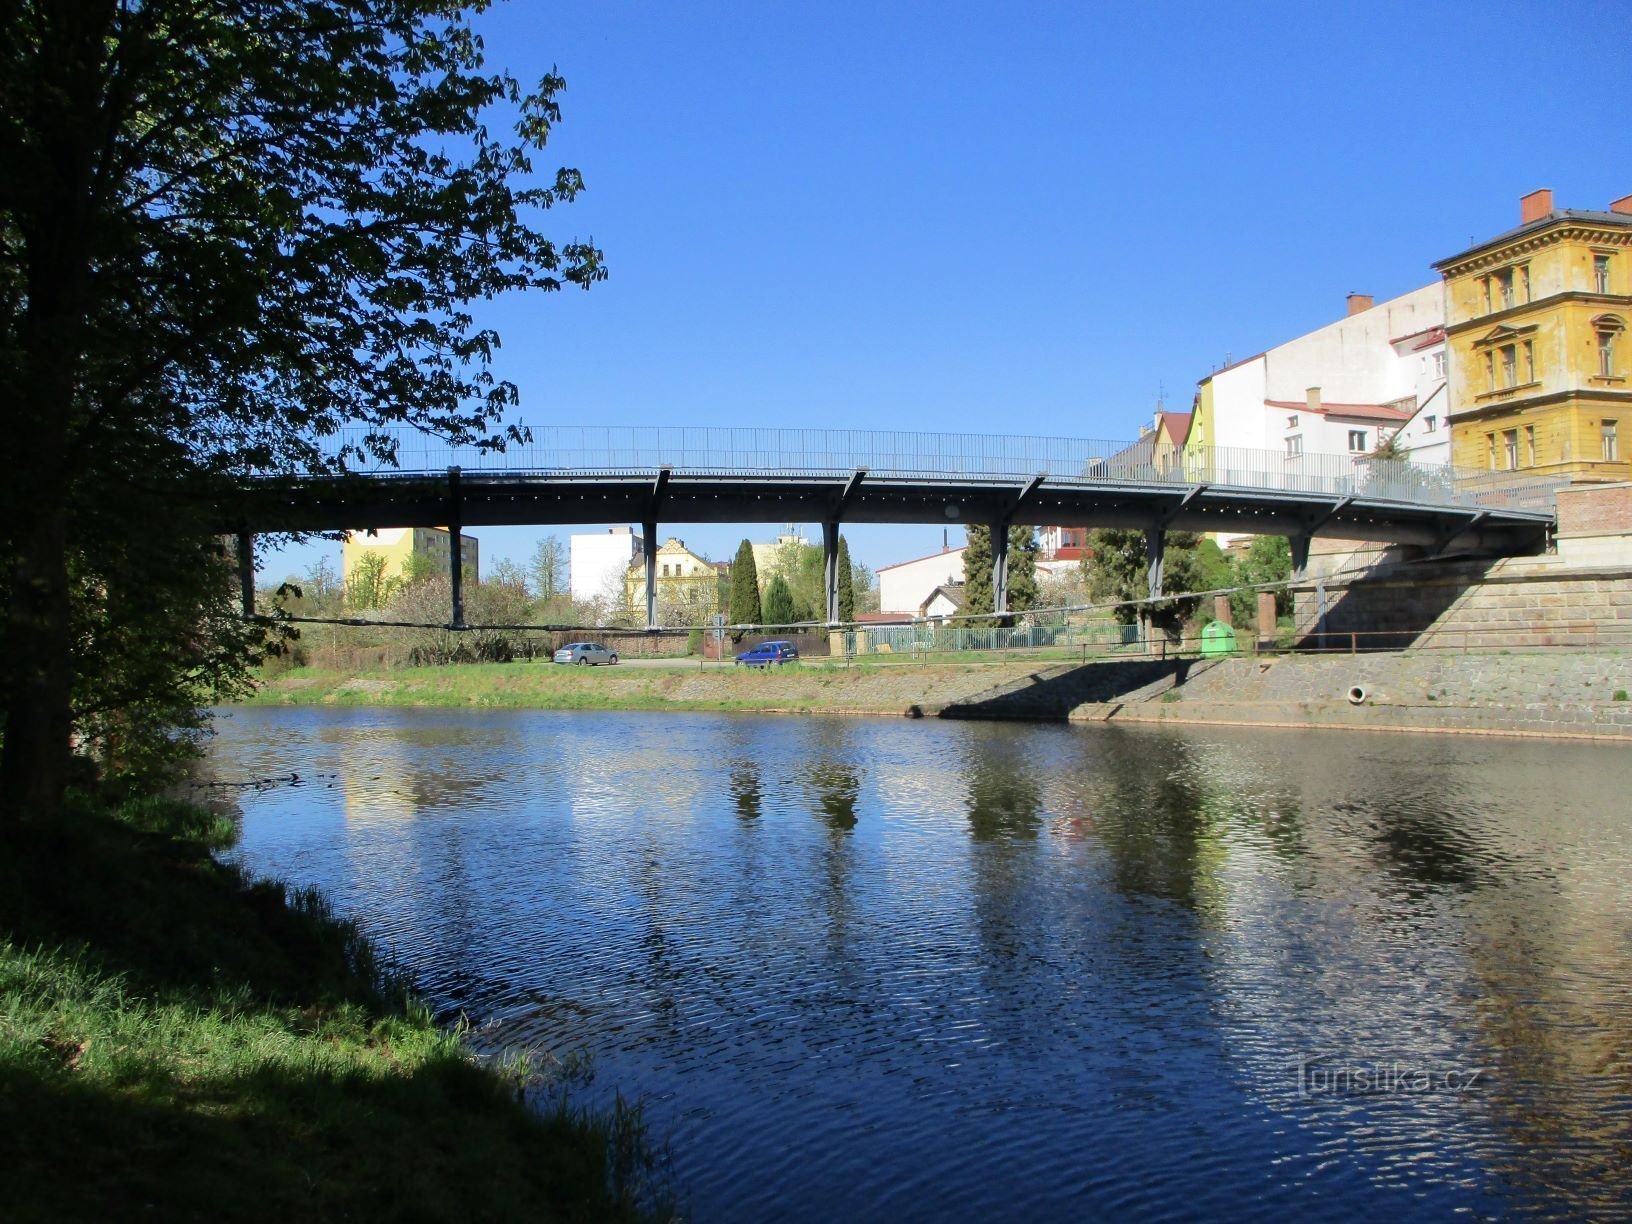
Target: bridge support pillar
830	569
246	572
1155	561
648	531
1300	556
1000	567
456	550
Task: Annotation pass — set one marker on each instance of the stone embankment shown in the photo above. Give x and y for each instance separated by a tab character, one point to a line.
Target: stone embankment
1577	695
1551	694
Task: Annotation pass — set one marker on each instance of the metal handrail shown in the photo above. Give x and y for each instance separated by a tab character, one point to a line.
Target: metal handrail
753	450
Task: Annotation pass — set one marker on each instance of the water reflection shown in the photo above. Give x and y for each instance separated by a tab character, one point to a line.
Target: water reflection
873	970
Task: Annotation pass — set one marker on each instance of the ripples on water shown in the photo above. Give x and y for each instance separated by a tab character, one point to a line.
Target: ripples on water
868	969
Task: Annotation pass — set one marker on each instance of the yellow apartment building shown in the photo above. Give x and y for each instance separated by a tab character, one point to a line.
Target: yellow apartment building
688	586
396	549
1536	322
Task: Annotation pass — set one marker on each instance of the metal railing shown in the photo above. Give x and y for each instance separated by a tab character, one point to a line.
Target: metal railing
748	451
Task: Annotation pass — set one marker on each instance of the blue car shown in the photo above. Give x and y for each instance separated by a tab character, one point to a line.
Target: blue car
767	653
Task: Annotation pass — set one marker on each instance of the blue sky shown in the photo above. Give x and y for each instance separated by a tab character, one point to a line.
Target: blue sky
1026	218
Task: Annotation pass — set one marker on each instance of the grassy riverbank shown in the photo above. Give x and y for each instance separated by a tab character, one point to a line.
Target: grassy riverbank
179	1042
813	687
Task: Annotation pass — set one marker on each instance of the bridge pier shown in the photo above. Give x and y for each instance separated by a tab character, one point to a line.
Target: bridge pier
246	572
830	569
456	549
1155	559
1300	556
1000	567
648	531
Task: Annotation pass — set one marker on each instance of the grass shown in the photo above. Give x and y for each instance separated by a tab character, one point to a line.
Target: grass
180	1042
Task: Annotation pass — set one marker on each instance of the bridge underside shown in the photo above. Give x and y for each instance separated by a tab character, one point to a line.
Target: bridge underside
475	499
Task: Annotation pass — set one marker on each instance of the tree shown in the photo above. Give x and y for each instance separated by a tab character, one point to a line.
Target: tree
228	229
745	607
367	586
847	584
779	609
1023	593
977	571
549	569
1268	559
1115	569
322	588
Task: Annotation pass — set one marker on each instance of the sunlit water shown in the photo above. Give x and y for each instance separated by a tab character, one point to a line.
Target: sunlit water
878	969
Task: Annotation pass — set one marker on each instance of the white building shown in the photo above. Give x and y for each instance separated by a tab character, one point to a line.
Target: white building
1426	437
1359	378
598	562
905	586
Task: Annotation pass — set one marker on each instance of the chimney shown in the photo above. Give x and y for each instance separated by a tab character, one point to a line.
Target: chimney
1535	206
1622	205
1312	397
1359	302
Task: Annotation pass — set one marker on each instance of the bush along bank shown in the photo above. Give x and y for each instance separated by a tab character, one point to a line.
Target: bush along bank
181	1042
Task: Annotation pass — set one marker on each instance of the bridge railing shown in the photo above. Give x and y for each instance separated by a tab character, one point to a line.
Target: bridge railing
729	450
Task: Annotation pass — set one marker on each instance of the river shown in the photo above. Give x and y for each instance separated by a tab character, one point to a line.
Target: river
876	969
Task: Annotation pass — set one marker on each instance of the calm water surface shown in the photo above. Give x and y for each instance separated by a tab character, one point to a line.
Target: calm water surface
878	969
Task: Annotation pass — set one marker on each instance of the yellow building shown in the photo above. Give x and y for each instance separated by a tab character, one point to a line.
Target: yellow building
689	587
375	562
1536	322
1172	433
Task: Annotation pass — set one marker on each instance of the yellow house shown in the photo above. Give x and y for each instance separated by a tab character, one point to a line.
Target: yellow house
375	562
689	587
1172	432
1536	323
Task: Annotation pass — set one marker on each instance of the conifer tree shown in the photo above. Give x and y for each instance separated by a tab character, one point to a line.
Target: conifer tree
977	571
745	609
779	609
847	584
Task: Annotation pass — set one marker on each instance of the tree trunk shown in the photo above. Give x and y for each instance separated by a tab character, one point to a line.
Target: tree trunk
34	764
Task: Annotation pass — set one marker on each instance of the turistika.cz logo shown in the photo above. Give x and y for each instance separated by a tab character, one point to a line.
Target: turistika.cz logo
1318	1075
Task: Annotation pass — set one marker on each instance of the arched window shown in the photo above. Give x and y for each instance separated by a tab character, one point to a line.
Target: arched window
1607	328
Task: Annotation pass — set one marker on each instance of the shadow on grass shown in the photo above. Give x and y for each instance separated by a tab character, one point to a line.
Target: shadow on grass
177	1042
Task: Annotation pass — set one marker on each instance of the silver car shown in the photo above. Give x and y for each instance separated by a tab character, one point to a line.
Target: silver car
582	653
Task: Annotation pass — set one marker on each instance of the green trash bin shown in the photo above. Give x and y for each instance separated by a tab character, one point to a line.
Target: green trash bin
1217	638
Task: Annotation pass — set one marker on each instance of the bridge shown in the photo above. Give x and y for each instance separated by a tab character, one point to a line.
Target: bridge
577	475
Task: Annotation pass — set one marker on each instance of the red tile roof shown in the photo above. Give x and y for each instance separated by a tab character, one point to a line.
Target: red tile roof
1178	425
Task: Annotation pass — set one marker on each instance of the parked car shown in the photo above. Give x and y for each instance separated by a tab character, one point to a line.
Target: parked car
767	653
585	652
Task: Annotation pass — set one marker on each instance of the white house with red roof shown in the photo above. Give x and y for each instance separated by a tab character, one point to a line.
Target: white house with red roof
905	586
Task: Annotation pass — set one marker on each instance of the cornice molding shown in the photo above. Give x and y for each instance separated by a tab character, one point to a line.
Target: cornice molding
1567	297
1508	252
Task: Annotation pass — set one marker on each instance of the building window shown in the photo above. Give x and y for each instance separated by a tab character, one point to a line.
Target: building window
1530	445
1510	448
1600	273
1430	423
1357	439
1292	421
1608	332
1439	364
1612	449
1504	287
665	571
1294	446
1510	365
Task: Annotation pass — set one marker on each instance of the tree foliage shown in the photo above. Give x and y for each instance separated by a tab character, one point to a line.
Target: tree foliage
235	235
745	607
1116	570
549	568
979	597
977	570
847	583
779	607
